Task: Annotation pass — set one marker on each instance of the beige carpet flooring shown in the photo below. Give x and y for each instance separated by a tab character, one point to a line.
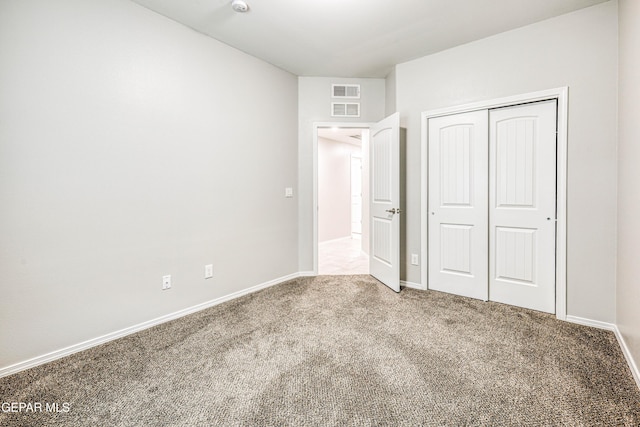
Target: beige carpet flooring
341	350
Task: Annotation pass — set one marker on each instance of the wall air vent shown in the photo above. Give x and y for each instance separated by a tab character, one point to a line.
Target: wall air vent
345	91
345	109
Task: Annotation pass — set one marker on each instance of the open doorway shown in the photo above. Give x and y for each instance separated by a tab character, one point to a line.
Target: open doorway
343	186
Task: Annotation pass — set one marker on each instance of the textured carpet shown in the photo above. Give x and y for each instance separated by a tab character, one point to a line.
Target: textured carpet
340	350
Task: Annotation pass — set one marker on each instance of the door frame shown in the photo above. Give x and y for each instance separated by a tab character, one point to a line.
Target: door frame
360	160
316	126
561	95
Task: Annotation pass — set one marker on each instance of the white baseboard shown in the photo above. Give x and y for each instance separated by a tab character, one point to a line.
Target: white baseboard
623	345
306	274
412	285
85	345
588	322
627	355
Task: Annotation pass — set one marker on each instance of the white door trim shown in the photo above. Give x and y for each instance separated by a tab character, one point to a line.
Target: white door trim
358	158
316	126
561	94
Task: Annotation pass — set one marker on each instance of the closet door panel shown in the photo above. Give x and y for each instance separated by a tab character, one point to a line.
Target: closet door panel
522	200
458	187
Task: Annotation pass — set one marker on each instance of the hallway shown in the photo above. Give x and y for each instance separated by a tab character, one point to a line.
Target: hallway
342	256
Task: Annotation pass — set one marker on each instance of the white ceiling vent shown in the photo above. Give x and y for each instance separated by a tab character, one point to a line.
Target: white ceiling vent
345	109
345	91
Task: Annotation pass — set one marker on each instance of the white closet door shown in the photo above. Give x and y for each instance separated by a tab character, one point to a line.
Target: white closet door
522	200
458	209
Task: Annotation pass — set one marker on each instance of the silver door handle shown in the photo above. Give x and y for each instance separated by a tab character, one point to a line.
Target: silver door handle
394	211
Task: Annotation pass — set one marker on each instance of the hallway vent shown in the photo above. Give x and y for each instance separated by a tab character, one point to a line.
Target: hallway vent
345	109
345	91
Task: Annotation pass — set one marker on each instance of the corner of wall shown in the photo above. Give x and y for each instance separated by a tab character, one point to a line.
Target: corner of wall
390	92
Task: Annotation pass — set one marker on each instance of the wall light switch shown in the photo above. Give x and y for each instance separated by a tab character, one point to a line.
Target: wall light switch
288	192
166	282
208	271
414	259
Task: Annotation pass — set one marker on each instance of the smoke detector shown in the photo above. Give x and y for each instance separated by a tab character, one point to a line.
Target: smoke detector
240	6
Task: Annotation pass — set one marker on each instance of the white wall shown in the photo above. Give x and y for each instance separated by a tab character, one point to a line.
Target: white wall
334	188
628	286
578	50
314	105
133	147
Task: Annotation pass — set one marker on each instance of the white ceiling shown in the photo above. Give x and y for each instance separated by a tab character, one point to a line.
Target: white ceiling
355	38
346	135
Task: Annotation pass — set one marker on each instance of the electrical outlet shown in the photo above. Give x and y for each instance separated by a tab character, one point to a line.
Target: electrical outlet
166	282
208	271
288	192
414	259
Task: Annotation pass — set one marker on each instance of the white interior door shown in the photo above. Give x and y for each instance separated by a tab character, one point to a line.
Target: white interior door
384	155
458	204
522	200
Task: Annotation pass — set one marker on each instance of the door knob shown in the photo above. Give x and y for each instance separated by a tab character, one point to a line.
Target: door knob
394	210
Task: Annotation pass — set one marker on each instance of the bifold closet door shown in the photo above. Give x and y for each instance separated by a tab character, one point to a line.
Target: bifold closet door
458	204
522	200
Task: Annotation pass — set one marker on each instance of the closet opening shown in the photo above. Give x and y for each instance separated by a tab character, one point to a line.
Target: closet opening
494	200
